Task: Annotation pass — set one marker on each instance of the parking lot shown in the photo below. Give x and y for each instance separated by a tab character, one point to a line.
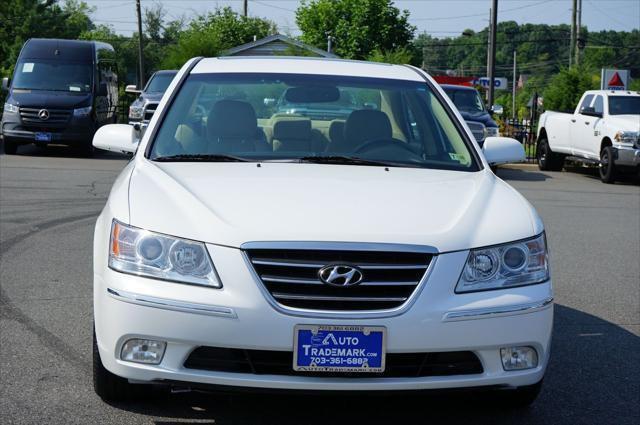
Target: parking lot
48	205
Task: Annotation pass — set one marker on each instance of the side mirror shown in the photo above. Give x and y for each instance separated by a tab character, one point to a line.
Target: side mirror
5	83
132	89
590	111
102	90
116	138
497	109
502	150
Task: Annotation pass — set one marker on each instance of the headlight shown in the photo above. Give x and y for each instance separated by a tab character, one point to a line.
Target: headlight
143	253
10	107
627	136
136	112
491	132
503	266
82	112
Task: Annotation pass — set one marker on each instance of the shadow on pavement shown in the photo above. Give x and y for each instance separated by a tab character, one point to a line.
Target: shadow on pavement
593	378
60	151
623	178
519	174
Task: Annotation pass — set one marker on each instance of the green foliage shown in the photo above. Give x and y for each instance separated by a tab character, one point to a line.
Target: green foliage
566	88
358	27
400	56
209	35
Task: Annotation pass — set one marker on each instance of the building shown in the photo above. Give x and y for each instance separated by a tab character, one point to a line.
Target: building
277	45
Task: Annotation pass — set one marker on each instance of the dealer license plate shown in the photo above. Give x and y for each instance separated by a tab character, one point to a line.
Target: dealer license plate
43	137
323	348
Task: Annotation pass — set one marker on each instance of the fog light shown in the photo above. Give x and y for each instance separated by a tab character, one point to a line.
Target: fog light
143	351
518	358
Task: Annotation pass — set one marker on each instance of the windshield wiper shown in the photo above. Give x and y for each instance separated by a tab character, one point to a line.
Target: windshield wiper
200	158
346	160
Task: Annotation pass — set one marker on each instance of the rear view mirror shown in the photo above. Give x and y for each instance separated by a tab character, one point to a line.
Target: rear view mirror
119	138
5	83
502	150
312	94
132	89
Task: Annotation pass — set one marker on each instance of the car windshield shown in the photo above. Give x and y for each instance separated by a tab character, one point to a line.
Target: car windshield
37	74
624	105
159	83
392	122
466	100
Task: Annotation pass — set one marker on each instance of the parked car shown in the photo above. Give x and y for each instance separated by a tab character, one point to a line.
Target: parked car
142	109
604	129
244	250
61	92
472	108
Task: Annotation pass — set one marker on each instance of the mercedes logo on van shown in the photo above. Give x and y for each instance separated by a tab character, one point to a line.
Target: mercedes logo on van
43	114
340	275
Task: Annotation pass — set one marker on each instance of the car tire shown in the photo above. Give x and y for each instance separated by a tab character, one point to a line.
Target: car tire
110	387
547	159
607	168
10	147
521	397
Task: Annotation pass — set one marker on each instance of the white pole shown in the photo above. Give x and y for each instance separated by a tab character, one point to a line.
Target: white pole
513	93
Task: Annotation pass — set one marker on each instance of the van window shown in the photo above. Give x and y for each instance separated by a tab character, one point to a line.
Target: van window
39	74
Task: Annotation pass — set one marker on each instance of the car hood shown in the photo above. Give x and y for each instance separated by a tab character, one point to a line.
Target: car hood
233	203
624	122
481	117
49	99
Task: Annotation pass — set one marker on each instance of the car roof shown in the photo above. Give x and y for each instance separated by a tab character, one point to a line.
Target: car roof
166	71
456	87
305	65
613	92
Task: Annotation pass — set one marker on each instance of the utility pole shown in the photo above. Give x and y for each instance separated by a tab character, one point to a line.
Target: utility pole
140	46
574	40
513	89
492	62
245	8
578	25
489	43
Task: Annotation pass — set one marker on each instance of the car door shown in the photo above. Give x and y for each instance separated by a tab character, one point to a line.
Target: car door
579	126
586	144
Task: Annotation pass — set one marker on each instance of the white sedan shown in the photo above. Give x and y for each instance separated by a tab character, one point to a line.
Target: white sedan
370	250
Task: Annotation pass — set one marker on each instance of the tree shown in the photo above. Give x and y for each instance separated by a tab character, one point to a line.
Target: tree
566	88
358	27
401	56
210	34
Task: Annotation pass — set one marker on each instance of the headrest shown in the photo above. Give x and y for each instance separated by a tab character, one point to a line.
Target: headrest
298	128
232	119
336	130
366	124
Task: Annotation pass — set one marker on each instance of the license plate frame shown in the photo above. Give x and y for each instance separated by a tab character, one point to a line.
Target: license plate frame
374	336
42	137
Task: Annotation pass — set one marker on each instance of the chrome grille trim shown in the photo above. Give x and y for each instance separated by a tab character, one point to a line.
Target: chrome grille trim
56	116
149	110
372	298
477	129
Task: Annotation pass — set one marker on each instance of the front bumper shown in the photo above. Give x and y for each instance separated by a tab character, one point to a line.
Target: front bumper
239	316
627	156
77	131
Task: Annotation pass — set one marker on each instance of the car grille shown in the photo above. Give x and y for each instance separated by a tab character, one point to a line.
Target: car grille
57	117
477	129
149	110
397	365
291	277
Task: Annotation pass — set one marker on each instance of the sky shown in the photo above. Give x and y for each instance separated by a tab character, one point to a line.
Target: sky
440	18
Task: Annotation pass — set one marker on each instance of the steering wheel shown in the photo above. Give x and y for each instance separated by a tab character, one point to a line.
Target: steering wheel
382	143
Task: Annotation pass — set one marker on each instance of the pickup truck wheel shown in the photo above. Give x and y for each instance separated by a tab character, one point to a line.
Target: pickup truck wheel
10	147
110	387
607	168
547	159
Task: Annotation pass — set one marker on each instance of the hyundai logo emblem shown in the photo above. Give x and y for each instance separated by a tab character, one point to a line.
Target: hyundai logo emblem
43	114
340	275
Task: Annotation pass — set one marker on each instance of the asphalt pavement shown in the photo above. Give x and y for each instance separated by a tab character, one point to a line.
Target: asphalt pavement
48	204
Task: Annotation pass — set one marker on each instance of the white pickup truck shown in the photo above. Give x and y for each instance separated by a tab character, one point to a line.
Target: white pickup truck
604	129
